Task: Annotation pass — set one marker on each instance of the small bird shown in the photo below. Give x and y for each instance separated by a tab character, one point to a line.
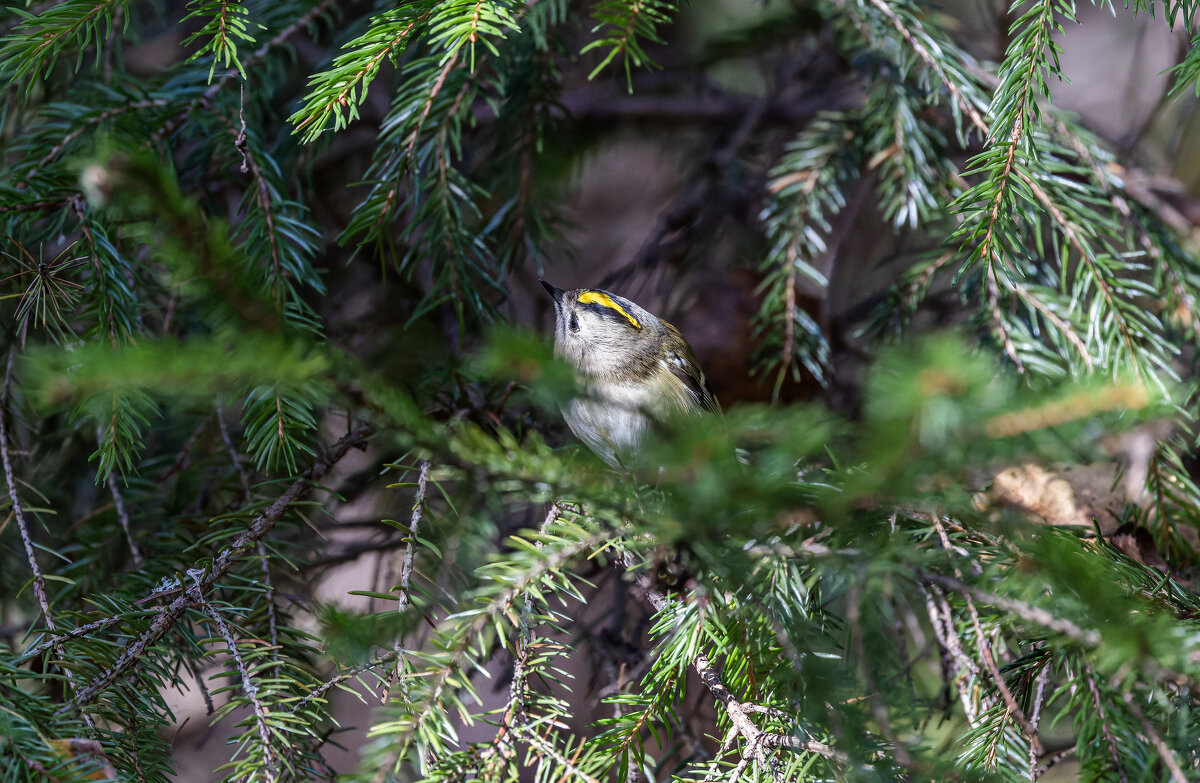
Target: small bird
636	370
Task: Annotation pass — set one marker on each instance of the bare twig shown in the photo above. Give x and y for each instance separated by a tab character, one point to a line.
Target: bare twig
234	456
1035	747
221	564
962	666
39	581
406	569
1032	614
74	633
414	524
269	597
114	487
343	676
1051	759
249	687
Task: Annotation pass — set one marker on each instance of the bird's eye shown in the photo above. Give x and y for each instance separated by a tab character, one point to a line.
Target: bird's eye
573	324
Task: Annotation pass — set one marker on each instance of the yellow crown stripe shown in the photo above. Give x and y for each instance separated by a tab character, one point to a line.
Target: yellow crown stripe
604	300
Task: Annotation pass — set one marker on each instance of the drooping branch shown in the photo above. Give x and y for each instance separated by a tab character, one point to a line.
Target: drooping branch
221	564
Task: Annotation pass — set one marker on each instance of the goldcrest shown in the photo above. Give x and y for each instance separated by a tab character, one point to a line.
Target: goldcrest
635	369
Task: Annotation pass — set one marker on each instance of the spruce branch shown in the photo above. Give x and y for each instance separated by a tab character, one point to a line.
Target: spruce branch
110	322
87	125
33	47
626	23
224	560
435	89
1088	258
336	94
462	632
225	26
936	62
874	696
1012	708
1064	327
739	712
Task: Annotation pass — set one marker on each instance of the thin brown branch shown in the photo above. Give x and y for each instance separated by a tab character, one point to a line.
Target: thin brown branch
434	90
993	295
47	205
1010	703
1160	746
220	565
1094	689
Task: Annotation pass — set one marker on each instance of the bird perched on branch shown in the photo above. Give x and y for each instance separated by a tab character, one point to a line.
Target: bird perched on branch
636	370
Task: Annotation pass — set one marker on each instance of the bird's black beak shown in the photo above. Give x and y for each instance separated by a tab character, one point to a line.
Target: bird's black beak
557	293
